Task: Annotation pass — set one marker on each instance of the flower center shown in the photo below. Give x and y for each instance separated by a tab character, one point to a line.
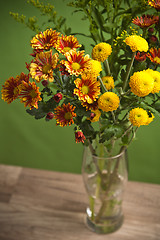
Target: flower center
76	66
157	60
15	91
66	49
33	94
85	89
46	68
68	116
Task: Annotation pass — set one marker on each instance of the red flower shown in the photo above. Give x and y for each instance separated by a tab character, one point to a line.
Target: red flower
146	20
154	55
79	136
58	97
140	56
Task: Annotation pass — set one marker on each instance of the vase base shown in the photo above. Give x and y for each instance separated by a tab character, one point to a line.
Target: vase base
109	226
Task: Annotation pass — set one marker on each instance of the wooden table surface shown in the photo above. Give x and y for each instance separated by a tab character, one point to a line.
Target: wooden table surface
46	205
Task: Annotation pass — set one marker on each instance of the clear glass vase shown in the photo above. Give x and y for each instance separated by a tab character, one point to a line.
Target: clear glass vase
104	175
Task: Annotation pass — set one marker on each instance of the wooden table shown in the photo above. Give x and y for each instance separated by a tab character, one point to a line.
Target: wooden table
46	205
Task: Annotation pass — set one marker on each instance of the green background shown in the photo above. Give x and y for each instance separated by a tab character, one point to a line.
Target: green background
39	144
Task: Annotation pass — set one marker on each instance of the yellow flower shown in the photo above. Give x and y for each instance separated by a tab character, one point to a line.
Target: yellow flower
95	69
96	115
138	116
101	51
108	82
156	77
108	101
141	83
137	43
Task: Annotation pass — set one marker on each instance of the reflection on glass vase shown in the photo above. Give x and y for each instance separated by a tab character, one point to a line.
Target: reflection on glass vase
104	175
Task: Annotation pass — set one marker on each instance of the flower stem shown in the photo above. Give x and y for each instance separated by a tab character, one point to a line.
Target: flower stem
129	67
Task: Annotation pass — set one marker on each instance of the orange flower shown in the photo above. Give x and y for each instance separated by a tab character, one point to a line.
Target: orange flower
88	89
155	4
154	55
45	40
10	90
64	115
145	20
66	43
76	62
43	65
29	94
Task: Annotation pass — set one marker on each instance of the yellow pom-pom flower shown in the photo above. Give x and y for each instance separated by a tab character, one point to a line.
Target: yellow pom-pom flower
156	77
138	116
108	82
101	51
141	83
94	70
108	101
137	43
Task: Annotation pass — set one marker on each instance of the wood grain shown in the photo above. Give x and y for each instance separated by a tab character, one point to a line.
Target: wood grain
45	205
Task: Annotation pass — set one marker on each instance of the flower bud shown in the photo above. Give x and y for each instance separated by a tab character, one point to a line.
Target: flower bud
151	30
57	97
44	83
49	116
153	39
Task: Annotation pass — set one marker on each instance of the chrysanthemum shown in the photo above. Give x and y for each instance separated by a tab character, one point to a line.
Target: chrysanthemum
145	20
43	66
155	4
108	82
79	136
141	56
137	43
64	114
96	115
76	62
95	69
87	89
154	55
29	94
101	51
108	101
45	40
138	116
156	78
141	83
66	43
10	90
90	106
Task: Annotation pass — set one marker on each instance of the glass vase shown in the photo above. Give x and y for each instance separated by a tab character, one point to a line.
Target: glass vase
104	175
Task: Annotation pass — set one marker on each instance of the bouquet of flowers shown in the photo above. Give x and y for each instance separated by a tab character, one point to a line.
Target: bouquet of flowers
107	95
117	85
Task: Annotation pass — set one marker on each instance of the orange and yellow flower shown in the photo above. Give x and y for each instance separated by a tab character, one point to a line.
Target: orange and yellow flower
79	136
45	40
29	94
154	55
145	20
76	62
155	4
95	115
10	90
64	114
66	43
87	89
43	65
